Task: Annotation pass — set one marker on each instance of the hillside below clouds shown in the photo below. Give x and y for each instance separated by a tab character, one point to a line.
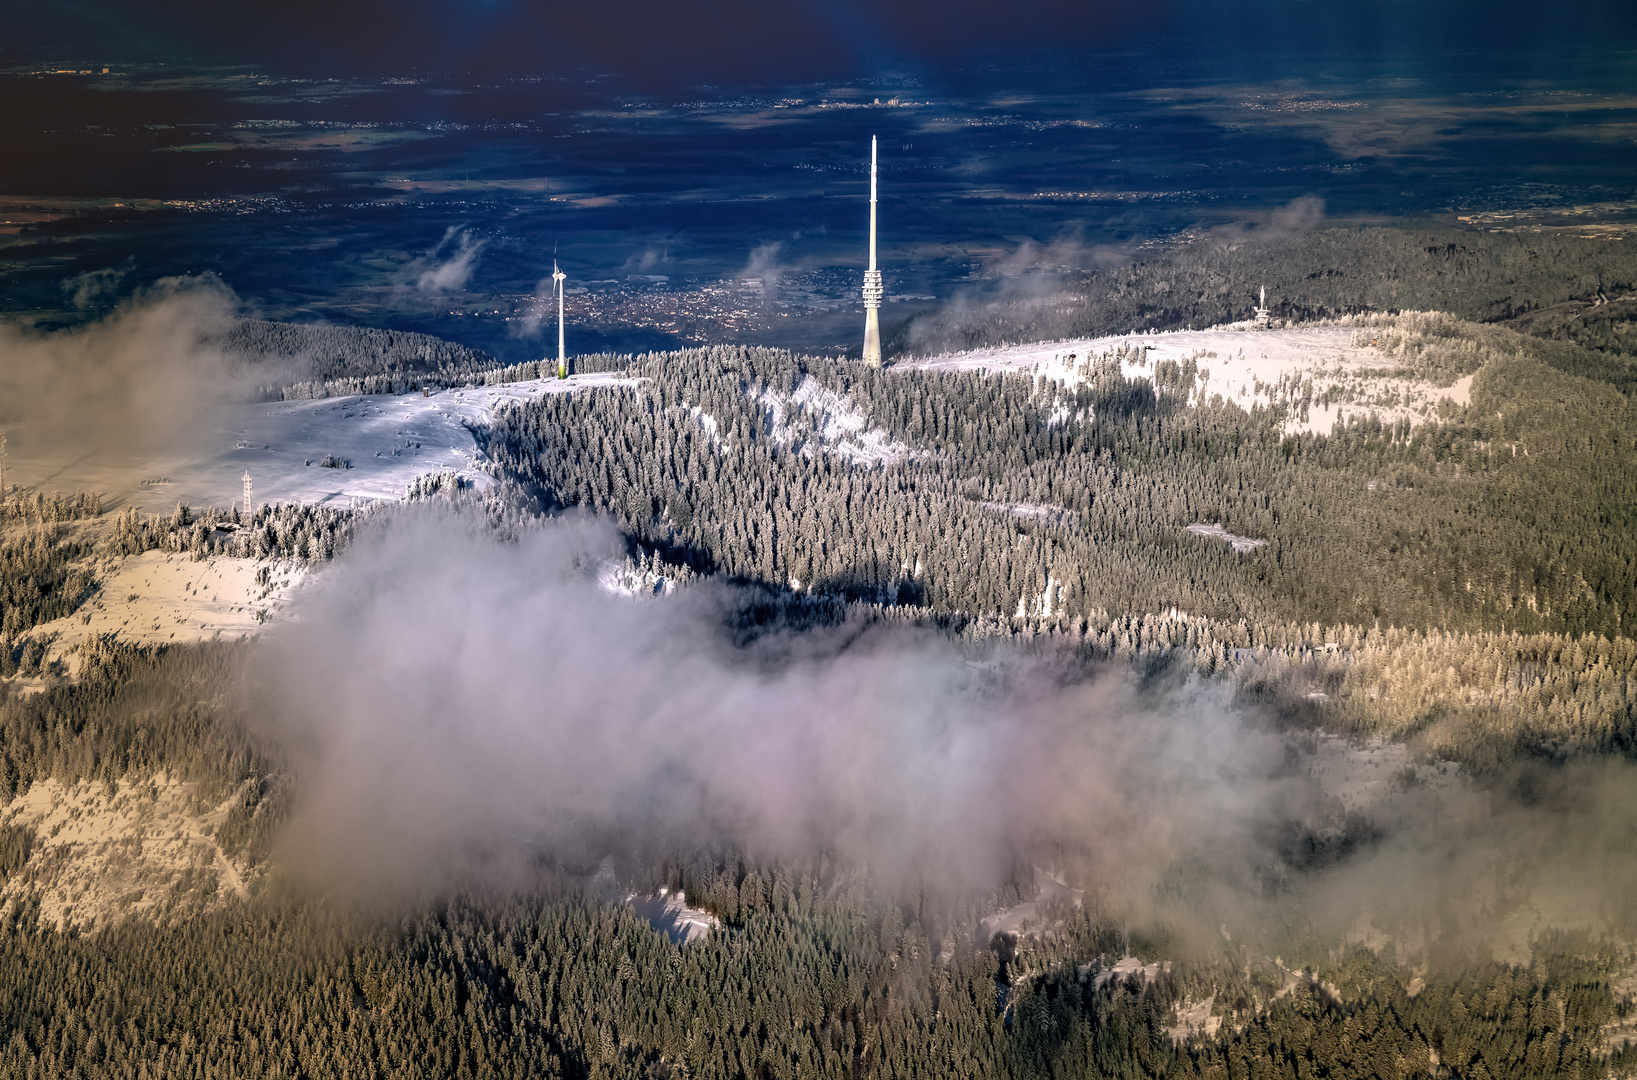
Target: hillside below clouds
1414	471
1418	472
1151	701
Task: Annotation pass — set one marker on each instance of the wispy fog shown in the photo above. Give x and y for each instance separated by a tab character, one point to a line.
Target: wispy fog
764	266
137	380
449	265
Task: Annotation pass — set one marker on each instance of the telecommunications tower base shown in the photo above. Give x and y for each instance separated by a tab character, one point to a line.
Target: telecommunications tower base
873	290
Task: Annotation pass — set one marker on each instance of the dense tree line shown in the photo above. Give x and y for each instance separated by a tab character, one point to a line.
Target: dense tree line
133	712
356	352
1484	699
1515	515
42	576
809	978
274	531
1545	282
18	507
405	383
1607	325
39	579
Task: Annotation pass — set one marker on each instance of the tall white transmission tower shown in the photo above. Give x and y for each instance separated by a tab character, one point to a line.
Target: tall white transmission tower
873	289
562	357
249	506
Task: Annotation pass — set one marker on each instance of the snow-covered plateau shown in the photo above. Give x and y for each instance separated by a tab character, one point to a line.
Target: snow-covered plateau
375	446
1247	366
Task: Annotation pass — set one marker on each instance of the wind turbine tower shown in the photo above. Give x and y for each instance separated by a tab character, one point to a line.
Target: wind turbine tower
562	358
873	290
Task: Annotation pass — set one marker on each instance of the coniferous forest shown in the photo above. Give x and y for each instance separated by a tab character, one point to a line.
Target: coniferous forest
1465	587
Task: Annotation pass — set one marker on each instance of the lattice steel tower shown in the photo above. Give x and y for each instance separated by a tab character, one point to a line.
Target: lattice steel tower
1263	316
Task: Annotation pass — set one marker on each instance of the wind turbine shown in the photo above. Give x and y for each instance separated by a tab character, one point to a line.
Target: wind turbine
562	359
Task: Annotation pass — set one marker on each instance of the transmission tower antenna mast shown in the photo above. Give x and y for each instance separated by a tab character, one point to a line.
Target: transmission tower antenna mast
562	357
249	505
873	290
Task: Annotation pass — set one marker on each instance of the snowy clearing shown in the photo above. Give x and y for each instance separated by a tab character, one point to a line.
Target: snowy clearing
669	913
1247	366
1242	544
813	418
1194	1018
1126	967
140	848
1028	915
379	444
383	442
1035	511
160	598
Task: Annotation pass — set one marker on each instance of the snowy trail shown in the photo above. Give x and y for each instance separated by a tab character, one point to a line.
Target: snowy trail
388	440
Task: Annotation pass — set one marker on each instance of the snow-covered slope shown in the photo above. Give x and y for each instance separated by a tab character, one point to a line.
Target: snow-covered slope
383	441
1247	366
164	598
814	418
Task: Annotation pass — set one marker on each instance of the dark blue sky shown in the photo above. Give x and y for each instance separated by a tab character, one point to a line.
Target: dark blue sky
728	42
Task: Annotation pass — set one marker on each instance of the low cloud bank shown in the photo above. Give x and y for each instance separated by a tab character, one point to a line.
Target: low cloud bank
450	694
1020	305
453	702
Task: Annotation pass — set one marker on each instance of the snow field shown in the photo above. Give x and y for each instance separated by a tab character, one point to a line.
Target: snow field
1246	366
126	850
384	442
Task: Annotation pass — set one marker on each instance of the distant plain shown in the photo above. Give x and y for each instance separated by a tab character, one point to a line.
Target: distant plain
435	201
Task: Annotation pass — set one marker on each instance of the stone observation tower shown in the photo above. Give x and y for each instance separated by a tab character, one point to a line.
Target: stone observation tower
873	290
